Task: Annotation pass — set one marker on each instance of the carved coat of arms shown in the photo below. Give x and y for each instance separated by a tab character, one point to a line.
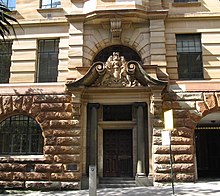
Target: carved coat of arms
116	72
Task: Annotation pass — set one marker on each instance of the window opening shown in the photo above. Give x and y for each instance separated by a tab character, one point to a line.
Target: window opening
20	135
189	56
5	60
48	60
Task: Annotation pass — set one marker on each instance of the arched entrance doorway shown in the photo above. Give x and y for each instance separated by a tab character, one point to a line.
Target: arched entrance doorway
207	138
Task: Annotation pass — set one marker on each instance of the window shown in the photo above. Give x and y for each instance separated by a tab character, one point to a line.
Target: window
10	4
20	135
47	60
45	4
117	112
185	1
189	56
5	60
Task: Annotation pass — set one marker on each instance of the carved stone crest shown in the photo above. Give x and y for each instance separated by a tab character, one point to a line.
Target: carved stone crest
116	72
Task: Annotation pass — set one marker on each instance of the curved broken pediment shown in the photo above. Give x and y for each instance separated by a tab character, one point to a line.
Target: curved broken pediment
115	72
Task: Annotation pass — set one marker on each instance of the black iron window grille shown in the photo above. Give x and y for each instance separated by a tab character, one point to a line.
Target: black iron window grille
20	135
47	60
5	60
189	56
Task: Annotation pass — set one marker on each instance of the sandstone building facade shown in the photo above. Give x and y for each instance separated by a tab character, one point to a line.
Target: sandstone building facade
86	82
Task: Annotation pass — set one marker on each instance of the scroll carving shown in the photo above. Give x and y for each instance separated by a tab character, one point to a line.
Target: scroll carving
116	72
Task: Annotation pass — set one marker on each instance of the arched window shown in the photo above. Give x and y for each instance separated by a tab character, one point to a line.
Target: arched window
20	135
125	51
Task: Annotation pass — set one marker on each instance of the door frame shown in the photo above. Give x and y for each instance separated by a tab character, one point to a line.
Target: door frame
115	125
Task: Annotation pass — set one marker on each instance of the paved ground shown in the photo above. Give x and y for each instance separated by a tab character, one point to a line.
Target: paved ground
189	189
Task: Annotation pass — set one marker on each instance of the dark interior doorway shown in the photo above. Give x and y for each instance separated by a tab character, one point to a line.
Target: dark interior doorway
117	151
208	152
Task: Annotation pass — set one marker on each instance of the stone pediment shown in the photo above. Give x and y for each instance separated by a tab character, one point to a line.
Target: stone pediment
115	72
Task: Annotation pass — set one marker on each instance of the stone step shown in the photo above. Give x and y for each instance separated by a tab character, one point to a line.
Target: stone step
116	182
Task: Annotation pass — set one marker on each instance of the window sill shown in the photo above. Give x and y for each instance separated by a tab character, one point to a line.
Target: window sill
187	4
46	10
22	158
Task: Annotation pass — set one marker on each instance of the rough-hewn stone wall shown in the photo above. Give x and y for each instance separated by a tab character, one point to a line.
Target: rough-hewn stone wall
59	166
188	109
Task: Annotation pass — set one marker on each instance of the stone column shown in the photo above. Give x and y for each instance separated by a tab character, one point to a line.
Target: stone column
93	133
140	139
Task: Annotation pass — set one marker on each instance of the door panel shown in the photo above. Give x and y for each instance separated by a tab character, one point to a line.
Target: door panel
117	148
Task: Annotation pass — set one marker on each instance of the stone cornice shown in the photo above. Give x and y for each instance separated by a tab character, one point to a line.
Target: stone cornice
103	15
197	15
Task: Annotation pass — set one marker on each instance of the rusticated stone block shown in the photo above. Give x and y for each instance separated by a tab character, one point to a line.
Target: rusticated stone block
27	103
37	176
49	158
50	141
68	141
61	149
158	123
180	113
52	98
7	104
183	131
167	105
162	158
190	123
67	158
6	175
66	132
157	140
210	100
35	109
162	168
12	184
70	185
64	123
183	158
48	133
17	102
42	186
161	177
52	107
189	96
157	132
201	106
19	176
176	149
169	96
54	116
68	107
194	115
48	168
184	167
181	140
217	94
67	176
185	177
179	122
45	124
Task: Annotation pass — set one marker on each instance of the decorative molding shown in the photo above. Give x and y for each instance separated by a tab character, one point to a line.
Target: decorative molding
115	29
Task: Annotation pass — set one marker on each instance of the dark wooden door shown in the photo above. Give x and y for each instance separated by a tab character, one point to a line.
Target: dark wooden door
117	147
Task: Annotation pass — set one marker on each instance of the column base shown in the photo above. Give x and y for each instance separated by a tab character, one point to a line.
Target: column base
142	180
